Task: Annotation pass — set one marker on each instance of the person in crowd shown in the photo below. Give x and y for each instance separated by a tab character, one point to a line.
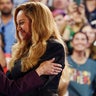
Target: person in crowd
38	40
89	31
73	23
75	20
7	27
82	69
90	11
28	82
58	17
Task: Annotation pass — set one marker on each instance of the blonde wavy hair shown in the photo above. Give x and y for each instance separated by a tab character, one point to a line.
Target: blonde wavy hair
42	28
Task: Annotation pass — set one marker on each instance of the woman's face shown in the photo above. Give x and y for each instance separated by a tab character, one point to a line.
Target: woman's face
23	26
90	33
79	42
59	19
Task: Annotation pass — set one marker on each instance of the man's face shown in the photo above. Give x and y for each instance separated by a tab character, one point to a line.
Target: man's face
6	7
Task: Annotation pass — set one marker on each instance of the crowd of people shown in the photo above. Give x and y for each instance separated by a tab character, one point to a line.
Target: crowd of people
55	40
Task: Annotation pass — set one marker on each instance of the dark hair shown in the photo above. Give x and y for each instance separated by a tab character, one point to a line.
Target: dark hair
80	33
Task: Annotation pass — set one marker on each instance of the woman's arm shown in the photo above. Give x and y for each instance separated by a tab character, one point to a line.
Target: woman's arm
30	81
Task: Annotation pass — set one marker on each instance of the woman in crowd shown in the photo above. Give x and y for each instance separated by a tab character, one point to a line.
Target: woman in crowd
74	21
38	40
59	18
89	31
82	69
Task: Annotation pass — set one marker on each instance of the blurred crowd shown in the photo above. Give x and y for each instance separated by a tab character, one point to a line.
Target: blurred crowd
76	22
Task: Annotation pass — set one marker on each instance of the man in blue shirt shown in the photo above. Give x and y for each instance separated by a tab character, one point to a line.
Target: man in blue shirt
7	27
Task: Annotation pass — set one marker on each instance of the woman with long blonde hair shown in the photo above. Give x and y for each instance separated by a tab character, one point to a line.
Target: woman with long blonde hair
38	40
38	55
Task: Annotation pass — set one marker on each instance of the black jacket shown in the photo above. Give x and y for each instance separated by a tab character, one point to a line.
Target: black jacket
53	50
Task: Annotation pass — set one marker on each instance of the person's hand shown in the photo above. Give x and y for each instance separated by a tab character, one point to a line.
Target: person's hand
49	68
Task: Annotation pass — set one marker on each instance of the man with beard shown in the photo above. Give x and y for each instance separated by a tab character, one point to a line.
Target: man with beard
7	27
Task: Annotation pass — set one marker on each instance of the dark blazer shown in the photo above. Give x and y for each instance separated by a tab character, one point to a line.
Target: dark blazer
50	83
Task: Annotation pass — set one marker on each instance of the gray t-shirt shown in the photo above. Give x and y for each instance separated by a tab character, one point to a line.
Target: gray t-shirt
82	77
